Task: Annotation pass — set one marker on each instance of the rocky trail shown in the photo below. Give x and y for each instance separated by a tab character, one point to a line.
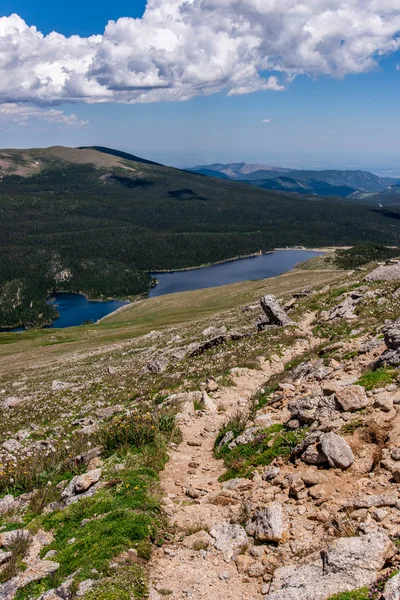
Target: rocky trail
195	500
252	457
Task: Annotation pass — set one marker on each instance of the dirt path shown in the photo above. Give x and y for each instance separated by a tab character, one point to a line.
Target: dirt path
192	495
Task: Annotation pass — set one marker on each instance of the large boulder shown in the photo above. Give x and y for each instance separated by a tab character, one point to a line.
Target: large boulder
347	564
352	397
337	450
267	524
385	273
274	312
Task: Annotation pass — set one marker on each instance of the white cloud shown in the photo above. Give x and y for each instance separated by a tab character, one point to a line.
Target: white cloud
20	114
184	48
266	121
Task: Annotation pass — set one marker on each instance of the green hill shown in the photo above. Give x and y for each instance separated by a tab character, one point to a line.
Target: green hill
97	220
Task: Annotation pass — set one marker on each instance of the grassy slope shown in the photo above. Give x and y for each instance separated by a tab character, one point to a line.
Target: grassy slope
38	347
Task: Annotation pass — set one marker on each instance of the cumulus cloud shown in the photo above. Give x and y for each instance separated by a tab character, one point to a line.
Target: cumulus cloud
266	121
20	114
185	48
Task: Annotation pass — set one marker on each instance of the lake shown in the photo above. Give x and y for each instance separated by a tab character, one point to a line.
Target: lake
75	309
243	269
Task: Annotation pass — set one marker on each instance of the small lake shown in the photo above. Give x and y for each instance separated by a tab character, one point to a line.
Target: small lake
243	269
75	309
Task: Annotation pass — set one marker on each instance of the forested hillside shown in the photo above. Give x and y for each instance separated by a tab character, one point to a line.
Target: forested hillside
99	229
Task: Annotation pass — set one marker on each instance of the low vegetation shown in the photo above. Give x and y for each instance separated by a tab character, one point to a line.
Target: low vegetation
270	443
378	378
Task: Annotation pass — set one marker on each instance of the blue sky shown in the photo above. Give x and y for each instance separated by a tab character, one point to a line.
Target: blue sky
318	120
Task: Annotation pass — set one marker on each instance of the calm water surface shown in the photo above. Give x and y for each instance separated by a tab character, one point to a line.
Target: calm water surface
75	309
244	269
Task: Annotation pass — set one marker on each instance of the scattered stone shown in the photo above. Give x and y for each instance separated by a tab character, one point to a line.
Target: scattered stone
7	504
383	401
271	473
336	450
230	539
274	312
248	436
13	401
208	404
392	588
214	331
61	386
80	484
85	586
11	446
376	501
345	310
352	397
211	385
267	524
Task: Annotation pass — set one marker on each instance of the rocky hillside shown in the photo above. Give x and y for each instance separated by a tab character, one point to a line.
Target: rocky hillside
254	453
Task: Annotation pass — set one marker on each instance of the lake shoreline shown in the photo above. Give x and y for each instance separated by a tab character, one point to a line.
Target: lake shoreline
154	284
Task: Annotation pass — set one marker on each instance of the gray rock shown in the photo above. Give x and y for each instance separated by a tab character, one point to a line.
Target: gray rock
214	331
61	386
11	445
376	501
228	437
369	346
267	524
248	436
7	504
85	587
230	539
313	455
158	365
271	473
81	483
392	588
395	453
336	450
208	404
349	563
383	401
391	357
274	312
345	310
35	572
385	273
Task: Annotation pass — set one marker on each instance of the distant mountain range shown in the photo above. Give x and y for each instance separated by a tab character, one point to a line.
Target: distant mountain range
322	183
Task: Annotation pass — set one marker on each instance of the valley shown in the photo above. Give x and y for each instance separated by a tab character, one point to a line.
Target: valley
97	221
